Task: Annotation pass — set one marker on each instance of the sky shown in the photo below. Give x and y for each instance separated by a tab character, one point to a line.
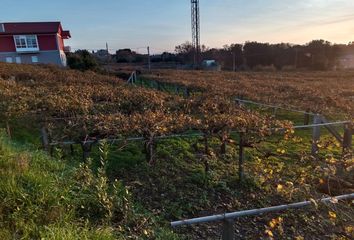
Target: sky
163	24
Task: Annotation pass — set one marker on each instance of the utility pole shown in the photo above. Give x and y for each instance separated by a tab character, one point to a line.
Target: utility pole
149	61
196	31
107	52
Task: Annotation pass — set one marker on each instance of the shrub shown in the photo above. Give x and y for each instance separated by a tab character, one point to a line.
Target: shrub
82	60
289	68
262	68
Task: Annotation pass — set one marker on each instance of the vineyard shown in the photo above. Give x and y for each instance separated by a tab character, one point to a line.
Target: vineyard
183	144
330	93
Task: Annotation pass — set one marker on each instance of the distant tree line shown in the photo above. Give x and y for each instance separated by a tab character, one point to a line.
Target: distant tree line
129	56
316	55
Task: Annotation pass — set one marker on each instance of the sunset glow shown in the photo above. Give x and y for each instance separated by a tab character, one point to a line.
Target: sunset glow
165	24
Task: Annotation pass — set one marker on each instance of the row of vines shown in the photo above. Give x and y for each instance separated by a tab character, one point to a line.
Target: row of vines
328	93
86	107
83	107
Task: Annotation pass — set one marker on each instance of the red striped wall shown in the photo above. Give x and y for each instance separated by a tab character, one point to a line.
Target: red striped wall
7	44
47	42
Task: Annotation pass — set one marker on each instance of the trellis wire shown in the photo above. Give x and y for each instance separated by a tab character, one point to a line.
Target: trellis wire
274	106
191	134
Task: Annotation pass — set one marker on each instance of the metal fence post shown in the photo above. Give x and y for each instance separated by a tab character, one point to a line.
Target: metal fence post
316	134
228	232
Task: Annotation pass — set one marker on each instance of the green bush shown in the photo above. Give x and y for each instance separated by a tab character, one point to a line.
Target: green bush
82	60
121	160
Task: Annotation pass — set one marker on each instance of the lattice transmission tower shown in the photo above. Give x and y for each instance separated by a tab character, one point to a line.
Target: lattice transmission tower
196	31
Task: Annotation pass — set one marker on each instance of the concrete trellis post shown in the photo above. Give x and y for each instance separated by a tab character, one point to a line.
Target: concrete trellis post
228	230
132	79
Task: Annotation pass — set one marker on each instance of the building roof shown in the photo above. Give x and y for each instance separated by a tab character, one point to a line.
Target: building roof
34	28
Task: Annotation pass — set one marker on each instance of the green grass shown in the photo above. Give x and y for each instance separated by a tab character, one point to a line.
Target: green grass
47	198
24	130
36	198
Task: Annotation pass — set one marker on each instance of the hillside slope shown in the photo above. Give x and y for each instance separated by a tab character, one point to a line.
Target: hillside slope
44	198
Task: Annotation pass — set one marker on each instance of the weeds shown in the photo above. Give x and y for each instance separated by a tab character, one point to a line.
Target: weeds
43	198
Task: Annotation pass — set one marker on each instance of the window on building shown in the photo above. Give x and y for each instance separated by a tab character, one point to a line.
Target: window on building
18	60
31	41
9	59
35	59
26	43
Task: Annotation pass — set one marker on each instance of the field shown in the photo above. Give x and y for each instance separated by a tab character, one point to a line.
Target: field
320	92
90	156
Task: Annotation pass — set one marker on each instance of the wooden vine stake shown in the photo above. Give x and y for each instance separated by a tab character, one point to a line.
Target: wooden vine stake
86	150
275	111
186	92
347	139
150	146
306	119
241	158
8	129
223	147
45	139
206	145
316	134
224	137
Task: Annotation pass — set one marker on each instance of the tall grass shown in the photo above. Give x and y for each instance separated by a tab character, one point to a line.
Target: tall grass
44	198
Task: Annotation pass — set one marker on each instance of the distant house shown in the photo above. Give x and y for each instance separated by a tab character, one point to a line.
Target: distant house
102	55
346	61
33	42
210	65
128	56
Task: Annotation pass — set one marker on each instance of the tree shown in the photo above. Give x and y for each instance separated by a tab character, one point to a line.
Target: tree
185	52
258	54
82	60
323	54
